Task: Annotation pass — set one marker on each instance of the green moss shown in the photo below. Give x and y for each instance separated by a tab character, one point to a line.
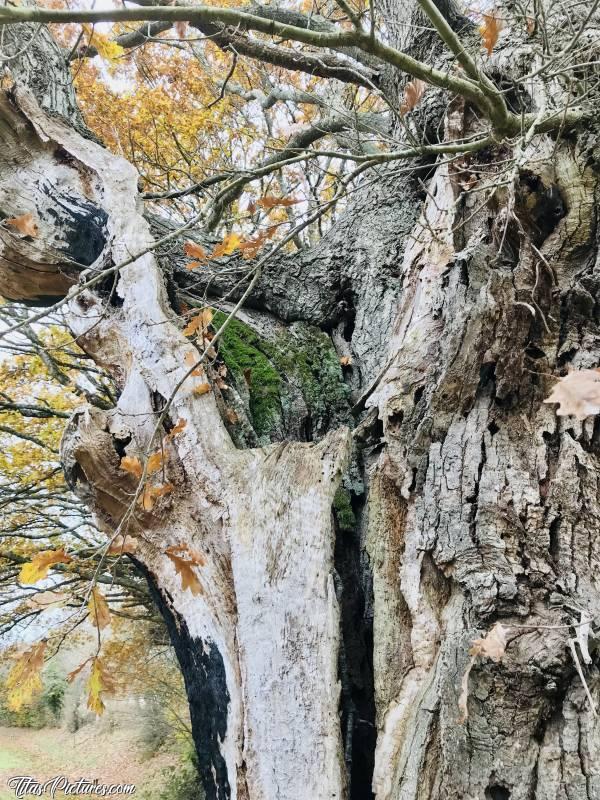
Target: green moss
343	510
240	351
301	360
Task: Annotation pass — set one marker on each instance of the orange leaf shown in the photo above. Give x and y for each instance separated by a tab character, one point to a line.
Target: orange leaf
199	323
98	608
202	388
195	251
185	568
154	463
413	92
345	361
194	265
179	427
490	30
148	497
132	465
268	201
26	224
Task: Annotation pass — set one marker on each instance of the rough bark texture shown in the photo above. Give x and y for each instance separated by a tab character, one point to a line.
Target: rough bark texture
325	654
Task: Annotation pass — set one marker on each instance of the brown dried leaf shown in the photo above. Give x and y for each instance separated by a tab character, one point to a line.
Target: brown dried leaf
185	568
577	394
199	323
122	545
490	30
194	250
269	201
413	92
154	463
345	361
132	465
26	224
202	388
98	608
178	428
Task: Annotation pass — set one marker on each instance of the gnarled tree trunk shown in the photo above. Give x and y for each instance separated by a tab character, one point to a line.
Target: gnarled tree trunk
346	573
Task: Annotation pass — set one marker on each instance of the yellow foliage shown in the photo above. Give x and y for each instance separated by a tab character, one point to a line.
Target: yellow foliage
23	681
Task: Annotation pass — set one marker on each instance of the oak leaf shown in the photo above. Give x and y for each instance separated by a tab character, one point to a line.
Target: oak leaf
154	463
490	30
26	224
577	394
122	544
185	568
148	497
132	465
37	569
179	427
200	322
24	679
202	388
98	608
413	92
98	683
269	201
230	243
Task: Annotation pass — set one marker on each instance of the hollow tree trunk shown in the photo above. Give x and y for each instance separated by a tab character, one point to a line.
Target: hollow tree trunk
345	577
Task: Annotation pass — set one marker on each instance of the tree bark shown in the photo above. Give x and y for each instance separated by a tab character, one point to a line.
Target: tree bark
345	576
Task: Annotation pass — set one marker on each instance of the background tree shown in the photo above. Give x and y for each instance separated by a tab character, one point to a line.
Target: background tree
390	365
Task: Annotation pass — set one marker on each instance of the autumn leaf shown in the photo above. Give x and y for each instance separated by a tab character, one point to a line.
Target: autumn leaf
346	361
98	683
202	388
194	265
132	465
196	251
178	428
492	645
577	394
72	675
98	608
154	463
26	224
230	243
231	416
120	545
38	567
24	679
268	201
490	30
185	568
413	92
150	494
193	555
46	599
199	323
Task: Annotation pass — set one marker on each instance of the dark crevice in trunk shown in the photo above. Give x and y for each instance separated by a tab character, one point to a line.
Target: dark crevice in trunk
359	732
203	672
